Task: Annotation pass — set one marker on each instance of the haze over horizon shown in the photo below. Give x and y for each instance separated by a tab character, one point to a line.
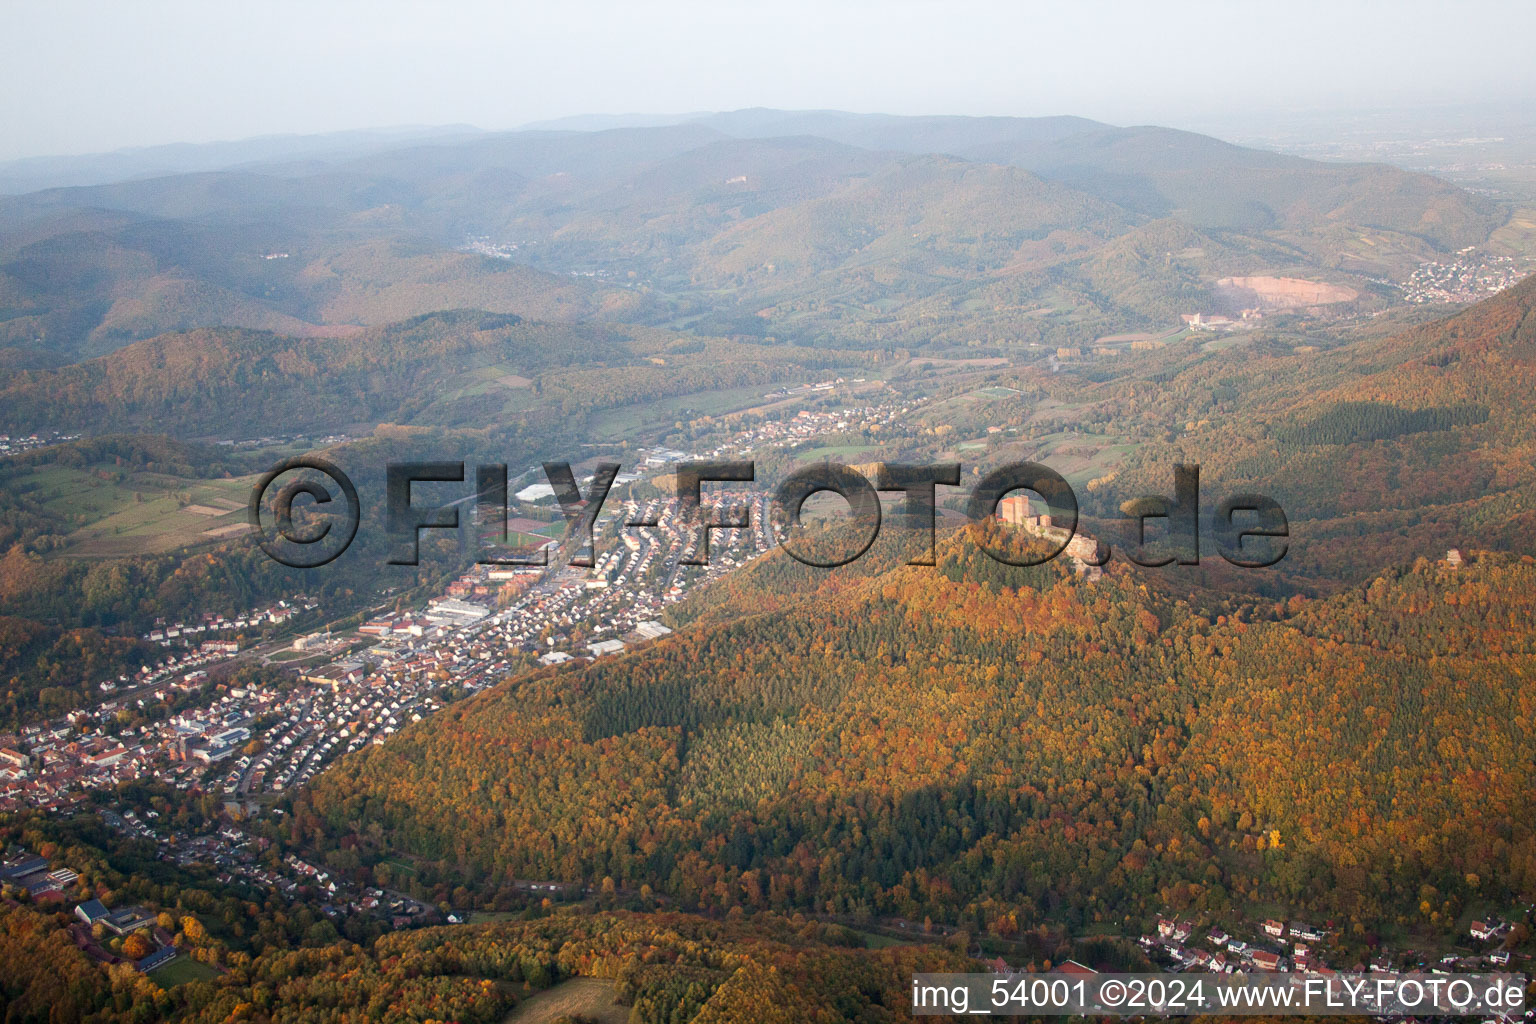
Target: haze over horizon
1056	504
74	86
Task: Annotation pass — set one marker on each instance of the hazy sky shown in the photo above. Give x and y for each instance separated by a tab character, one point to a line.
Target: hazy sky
84	77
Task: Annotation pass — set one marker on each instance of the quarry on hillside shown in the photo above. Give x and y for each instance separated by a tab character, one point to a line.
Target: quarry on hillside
1270	293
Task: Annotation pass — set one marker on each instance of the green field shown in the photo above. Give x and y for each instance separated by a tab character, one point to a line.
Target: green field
874	940
836	451
491	916
502	382
112	512
630	420
1225	341
1081	457
180	971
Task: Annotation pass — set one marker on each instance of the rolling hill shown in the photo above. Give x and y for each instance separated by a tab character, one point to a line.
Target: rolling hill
996	752
458	368
108	278
1381	449
1163	172
963	217
217	380
872	219
997	748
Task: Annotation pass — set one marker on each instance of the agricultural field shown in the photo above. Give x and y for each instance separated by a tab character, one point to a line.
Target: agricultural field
1081	457
1517	237
578	998
111	512
512	389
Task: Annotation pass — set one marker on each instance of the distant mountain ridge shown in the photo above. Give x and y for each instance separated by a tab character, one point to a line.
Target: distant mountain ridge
1152	170
30	174
646	224
1137	166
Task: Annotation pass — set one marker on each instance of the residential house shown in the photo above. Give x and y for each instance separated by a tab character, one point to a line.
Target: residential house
1492	928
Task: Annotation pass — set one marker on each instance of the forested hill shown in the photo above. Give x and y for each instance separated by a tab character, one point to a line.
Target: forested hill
1380	449
209	380
996	750
646	968
453	368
